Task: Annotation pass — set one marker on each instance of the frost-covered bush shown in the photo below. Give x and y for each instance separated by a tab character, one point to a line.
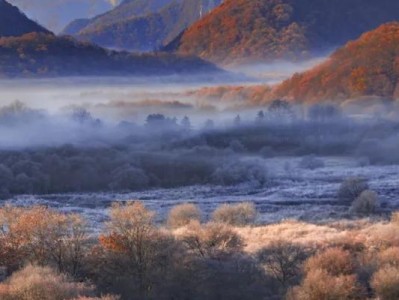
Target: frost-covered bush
267	151
351	188
182	215
363	162
334	261
129	178
385	282
212	240
366	204
319	284
237	146
240	172
42	283
311	162
389	257
329	275
240	214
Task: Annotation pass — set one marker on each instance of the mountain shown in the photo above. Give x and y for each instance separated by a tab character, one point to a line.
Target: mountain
246	31
368	66
145	29
46	55
125	10
56	14
14	23
75	26
29	50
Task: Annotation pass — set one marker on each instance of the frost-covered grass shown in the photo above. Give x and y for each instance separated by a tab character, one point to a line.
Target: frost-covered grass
293	193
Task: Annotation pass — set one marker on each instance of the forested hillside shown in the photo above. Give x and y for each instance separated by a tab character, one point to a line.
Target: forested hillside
40	54
367	66
241	31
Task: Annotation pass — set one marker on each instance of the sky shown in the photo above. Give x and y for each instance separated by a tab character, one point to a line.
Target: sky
56	14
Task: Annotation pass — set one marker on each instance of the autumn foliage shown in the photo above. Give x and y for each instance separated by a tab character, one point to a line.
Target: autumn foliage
241	31
136	257
367	66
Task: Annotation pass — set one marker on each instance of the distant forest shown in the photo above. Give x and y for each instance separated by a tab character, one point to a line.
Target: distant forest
165	152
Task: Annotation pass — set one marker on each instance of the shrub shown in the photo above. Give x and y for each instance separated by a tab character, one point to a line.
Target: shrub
385	282
389	257
366	204
236	172
311	162
334	261
283	260
182	215
351	188
241	214
42	283
213	240
319	284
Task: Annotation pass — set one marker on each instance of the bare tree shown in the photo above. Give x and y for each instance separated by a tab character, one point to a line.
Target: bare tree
283	260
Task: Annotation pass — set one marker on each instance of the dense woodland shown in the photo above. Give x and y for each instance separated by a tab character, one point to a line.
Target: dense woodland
241	31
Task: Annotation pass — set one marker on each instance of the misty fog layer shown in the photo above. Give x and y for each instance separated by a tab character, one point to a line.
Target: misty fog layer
74	151
155	140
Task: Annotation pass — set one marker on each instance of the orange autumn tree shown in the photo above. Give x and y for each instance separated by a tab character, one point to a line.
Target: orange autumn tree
43	236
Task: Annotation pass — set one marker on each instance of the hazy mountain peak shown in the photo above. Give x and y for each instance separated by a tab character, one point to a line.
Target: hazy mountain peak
15	23
142	25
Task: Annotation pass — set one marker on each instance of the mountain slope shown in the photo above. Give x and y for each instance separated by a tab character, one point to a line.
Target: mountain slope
368	66
364	70
146	32
14	23
242	31
46	55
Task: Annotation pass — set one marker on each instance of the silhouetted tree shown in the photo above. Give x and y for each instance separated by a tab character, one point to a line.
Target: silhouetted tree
260	117
186	123
237	120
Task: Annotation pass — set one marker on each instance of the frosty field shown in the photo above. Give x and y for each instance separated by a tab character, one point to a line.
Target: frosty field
293	193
